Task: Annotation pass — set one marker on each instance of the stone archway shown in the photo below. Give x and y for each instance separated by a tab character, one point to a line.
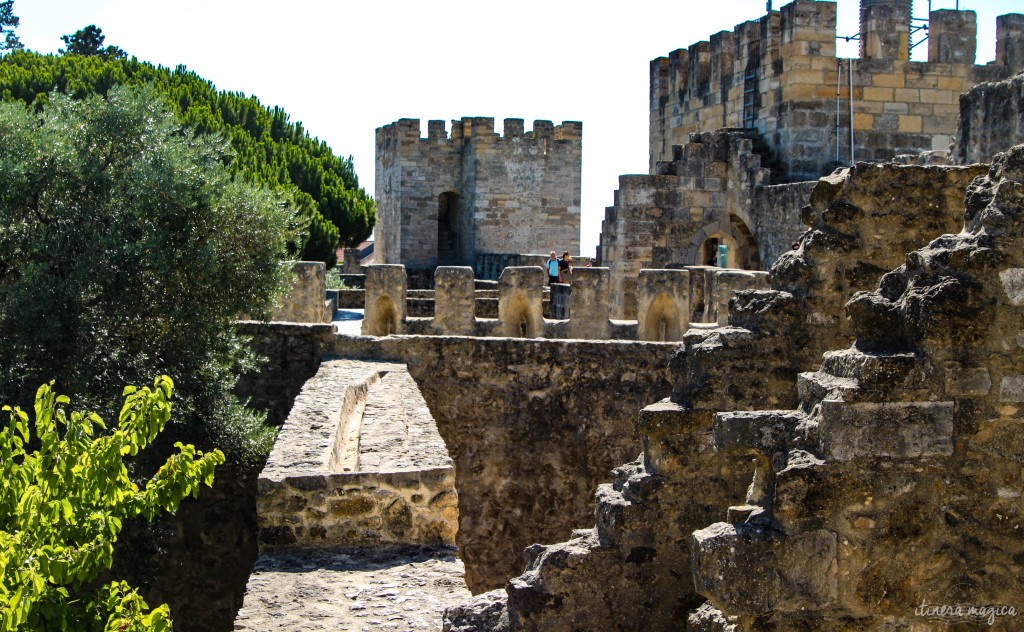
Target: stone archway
733	232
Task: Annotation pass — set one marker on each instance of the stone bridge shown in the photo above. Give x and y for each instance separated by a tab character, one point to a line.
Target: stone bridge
357	510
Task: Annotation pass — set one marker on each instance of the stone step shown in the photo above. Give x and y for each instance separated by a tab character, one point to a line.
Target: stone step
767	432
814	387
750	570
667	432
744	513
873	369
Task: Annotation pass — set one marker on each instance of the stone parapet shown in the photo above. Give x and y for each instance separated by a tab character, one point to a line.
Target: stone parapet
455	300
663	304
520	295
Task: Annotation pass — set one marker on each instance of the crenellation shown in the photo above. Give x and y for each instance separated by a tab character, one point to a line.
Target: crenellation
885	29
1010	41
952	36
782	68
513	128
437	131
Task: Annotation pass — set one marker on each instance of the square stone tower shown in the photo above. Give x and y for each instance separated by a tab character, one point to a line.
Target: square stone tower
447	199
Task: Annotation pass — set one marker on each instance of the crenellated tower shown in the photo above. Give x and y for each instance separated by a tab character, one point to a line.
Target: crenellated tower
448	198
779	75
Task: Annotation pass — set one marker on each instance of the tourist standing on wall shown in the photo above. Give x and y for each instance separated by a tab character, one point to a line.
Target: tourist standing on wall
565	268
554	269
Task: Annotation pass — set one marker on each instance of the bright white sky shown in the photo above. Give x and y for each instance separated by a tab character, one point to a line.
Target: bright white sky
344	68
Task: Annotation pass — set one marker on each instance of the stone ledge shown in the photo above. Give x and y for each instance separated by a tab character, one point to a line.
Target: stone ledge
404	588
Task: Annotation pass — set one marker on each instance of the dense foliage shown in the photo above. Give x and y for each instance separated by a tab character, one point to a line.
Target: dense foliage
65	496
126	249
268	149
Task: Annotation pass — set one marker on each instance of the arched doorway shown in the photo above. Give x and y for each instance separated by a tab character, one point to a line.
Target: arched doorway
734	233
447	229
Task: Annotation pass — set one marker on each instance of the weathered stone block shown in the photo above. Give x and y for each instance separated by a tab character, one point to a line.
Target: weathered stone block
454	301
663	304
520	296
304	302
902	430
590	304
385	300
746	571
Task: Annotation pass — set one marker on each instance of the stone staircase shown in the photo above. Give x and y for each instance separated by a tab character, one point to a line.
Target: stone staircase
778	553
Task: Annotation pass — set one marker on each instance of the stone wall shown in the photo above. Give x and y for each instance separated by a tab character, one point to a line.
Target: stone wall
630	567
991	120
779	75
293	352
532	426
359	462
444	200
903	456
776	210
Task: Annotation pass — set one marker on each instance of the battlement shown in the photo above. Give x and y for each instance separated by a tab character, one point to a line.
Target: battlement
779	75
467	190
477	128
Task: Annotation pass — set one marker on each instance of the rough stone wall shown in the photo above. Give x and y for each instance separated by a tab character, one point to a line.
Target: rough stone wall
630	567
532	426
196	560
903	458
991	120
776	210
779	75
293	356
514	193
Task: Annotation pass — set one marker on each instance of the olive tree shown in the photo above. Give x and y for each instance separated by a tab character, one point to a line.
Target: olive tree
127	250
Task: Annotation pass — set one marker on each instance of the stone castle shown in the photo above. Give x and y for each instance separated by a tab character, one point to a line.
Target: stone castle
452	200
824	434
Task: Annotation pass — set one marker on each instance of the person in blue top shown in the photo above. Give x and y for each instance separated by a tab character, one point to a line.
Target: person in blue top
554	273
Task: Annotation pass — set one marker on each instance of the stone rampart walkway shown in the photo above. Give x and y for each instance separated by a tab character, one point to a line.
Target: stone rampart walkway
357	510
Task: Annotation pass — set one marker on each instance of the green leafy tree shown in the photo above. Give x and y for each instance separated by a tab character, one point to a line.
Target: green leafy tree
65	497
127	248
89	42
267	148
9	22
